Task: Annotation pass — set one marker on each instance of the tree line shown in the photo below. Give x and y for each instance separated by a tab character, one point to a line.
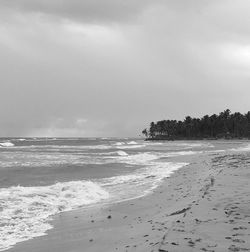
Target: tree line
224	125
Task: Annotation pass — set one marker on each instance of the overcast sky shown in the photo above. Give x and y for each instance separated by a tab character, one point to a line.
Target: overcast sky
110	67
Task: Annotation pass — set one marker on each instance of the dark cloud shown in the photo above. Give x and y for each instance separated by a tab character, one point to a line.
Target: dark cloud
169	59
87	10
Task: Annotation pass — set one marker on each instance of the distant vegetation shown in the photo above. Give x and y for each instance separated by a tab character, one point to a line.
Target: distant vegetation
224	125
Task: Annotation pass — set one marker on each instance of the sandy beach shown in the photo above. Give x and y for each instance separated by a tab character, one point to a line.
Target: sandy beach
124	126
204	206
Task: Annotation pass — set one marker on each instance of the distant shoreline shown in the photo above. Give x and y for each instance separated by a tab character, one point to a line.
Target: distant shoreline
225	125
192	139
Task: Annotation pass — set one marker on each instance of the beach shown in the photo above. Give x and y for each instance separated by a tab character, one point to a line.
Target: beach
203	206
124	126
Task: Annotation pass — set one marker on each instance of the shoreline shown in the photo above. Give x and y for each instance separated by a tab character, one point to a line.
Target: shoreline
185	213
170	139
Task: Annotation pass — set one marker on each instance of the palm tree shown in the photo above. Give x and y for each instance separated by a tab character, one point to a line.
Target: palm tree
145	132
223	125
152	130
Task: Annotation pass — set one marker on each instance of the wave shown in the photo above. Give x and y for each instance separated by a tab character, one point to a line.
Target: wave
182	145
195	144
157	171
146	157
153	143
132	142
122	153
133	146
55	158
242	148
137	159
215	151
32	159
141	182
69	147
99	147
26	211
6	144
182	153
119	143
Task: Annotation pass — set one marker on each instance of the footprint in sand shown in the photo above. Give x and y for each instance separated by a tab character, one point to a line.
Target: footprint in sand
238	241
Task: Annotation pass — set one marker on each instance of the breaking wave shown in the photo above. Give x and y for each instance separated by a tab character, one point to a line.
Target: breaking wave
132	146
26	211
132	142
6	144
122	153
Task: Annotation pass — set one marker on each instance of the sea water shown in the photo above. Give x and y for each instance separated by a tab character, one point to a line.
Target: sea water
41	177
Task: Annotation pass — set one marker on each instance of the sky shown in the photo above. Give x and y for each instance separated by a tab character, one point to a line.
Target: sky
84	68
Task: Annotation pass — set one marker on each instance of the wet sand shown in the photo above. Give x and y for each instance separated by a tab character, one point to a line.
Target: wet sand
204	206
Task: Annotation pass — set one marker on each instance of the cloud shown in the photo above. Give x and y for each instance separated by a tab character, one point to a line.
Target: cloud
69	126
237	55
118	68
87	10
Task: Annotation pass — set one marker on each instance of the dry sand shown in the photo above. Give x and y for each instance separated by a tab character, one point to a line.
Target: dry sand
204	206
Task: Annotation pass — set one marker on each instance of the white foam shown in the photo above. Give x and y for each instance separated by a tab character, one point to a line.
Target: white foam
119	143
122	153
137	159
182	153
33	159
99	147
146	158
112	153
215	151
68	147
26	211
181	145
192	145
91	147
132	142
132	146
153	143
6	144
141	182
242	148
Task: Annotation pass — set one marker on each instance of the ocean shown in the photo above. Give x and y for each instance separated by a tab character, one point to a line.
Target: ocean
41	177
